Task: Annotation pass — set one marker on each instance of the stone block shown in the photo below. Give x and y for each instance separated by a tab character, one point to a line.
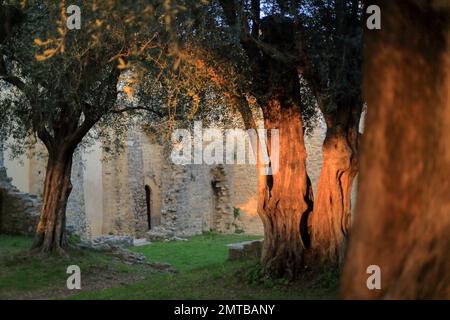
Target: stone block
103	242
245	250
141	242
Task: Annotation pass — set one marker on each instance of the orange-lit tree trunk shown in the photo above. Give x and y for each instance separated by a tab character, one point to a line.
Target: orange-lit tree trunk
330	221
331	65
50	235
285	196
66	135
402	218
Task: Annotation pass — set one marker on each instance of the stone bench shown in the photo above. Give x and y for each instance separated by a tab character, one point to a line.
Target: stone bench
245	250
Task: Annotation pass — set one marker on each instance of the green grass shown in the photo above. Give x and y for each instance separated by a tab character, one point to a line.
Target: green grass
23	275
203	273
208	250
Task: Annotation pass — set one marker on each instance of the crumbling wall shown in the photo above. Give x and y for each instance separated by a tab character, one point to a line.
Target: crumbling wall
19	211
124	179
76	220
222	215
136	186
183	203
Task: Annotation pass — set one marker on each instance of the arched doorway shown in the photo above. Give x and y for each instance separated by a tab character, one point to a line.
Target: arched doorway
148	199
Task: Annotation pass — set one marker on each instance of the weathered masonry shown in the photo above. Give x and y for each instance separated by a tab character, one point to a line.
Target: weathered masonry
140	190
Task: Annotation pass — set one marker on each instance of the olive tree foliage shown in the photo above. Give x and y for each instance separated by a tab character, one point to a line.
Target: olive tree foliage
299	55
212	57
199	83
325	46
332	46
62	83
55	72
268	44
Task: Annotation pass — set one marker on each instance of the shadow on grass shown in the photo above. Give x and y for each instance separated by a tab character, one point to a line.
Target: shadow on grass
204	273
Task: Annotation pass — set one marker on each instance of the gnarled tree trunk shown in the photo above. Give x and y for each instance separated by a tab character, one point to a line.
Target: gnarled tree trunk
50	231
330	221
285	196
402	217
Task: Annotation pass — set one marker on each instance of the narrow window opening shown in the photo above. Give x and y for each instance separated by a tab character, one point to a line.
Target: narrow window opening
148	198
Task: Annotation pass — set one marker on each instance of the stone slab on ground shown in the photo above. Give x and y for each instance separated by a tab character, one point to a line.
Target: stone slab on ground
159	233
104	243
141	242
245	250
175	238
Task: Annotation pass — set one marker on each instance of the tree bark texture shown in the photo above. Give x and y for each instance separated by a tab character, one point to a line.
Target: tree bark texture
50	231
402	218
284	197
330	221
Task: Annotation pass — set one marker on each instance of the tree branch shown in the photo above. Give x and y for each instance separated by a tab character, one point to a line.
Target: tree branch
273	52
243	107
15	81
81	132
42	132
229	9
159	114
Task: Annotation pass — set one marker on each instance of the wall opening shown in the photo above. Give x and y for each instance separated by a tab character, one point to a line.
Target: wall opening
148	199
215	202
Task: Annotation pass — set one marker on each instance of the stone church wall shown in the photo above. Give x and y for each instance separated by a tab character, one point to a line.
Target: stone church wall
185	200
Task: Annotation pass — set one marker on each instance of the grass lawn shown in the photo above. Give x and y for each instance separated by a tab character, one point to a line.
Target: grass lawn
203	273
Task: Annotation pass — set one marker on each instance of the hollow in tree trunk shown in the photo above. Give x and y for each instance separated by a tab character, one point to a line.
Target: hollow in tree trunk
402	217
50	231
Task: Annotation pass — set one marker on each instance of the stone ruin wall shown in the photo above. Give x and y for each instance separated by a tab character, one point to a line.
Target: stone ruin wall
118	216
76	219
125	176
245	199
19	211
199	198
186	200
